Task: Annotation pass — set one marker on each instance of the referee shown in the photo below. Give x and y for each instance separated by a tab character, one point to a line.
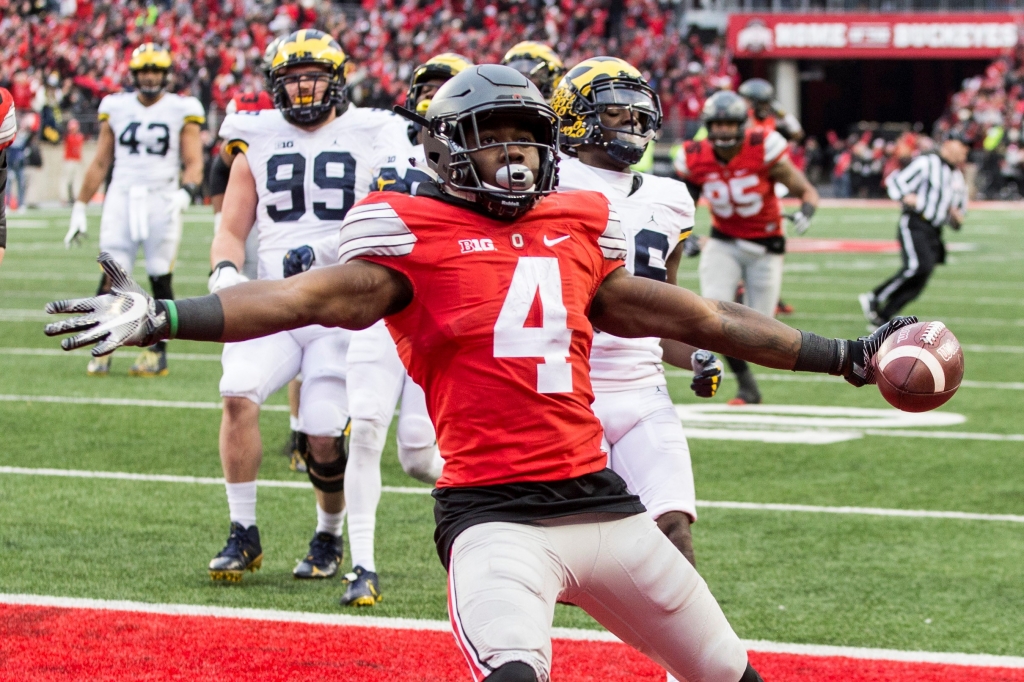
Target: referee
932	193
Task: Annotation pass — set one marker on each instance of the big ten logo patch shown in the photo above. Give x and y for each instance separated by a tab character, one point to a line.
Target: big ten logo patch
474	245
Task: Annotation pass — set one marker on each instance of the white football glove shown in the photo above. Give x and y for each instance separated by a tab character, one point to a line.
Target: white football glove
181	200
225	275
802	218
79	226
127	316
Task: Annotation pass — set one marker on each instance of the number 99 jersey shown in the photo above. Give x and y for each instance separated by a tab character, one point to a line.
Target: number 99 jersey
740	193
308	180
147	140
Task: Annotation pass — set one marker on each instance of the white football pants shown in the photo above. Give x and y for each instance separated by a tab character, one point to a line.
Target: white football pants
376	381
723	265
646	446
256	368
505	578
140	216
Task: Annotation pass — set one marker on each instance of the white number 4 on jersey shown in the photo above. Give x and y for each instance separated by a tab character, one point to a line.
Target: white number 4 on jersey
512	339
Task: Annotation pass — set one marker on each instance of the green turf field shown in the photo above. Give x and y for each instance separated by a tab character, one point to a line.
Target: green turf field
857	580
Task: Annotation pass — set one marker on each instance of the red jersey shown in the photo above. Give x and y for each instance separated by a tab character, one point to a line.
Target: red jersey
740	193
497	333
250	101
73	146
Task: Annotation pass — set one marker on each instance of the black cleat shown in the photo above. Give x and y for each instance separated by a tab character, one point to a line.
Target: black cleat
242	553
361	588
325	552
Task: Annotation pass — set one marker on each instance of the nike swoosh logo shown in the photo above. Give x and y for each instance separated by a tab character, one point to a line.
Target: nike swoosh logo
552	242
138	309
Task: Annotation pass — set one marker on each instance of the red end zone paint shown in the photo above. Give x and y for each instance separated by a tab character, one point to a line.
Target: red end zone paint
58	644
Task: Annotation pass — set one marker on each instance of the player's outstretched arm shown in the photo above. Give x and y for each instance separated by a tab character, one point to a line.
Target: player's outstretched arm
633	307
353	296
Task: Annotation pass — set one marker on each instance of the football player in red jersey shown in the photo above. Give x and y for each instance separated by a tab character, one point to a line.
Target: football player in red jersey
766	111
491	285
737	166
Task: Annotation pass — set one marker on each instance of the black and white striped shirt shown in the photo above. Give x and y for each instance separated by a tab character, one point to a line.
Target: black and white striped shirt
938	186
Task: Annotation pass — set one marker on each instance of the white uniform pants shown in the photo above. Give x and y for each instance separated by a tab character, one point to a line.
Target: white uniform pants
377	380
256	368
139	216
723	265
647	448
505	578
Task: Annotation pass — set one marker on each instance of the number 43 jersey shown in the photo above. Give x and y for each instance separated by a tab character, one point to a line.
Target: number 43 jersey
147	140
656	213
308	180
497	333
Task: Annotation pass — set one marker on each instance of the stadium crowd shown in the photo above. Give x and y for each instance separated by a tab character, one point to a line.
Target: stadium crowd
63	57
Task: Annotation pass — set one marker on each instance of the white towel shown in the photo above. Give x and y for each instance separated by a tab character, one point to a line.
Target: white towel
138	213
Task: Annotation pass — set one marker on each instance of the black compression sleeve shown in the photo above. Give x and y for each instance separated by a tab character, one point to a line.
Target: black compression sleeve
197	319
219	174
818	354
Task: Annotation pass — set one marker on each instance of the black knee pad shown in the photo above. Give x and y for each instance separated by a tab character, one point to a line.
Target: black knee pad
750	675
329	477
219	174
514	671
162	287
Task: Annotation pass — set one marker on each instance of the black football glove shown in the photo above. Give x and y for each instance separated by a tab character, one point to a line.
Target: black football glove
707	373
862	351
298	260
691	246
127	316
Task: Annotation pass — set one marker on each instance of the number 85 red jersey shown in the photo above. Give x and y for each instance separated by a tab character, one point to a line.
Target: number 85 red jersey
740	193
497	333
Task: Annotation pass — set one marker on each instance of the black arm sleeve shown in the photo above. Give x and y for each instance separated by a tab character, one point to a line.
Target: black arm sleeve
818	354
199	319
3	199
219	174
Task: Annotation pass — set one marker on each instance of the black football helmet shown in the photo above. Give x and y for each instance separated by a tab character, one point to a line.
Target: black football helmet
453	121
761	96
725	106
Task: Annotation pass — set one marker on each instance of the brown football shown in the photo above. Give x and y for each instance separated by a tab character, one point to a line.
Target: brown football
919	367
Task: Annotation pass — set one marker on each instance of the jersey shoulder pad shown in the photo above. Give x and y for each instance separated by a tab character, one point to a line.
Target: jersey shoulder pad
113	103
775	146
668	192
756	137
373	227
248	125
593	210
192	110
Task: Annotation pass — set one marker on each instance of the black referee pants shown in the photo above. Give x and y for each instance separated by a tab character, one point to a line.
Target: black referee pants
922	249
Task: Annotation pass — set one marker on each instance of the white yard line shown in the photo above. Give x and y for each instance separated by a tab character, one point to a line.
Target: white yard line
274	615
58	353
124	402
824	378
749	506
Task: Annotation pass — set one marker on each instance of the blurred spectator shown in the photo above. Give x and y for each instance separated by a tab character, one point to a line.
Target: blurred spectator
18	160
71	174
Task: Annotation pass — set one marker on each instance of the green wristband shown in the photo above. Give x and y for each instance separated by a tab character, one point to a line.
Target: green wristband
172	316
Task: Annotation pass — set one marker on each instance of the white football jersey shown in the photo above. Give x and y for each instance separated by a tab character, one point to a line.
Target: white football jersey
656	213
147	140
308	180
